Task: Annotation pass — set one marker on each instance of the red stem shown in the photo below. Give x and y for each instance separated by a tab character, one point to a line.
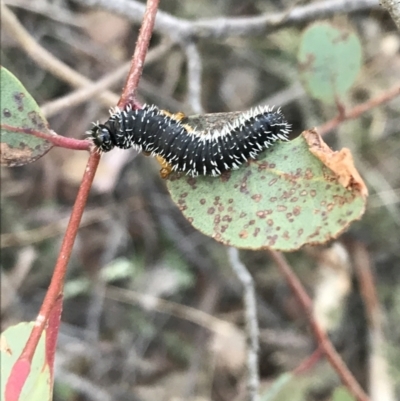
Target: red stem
55	139
52	334
309	362
129	93
320	335
53	296
57	281
358	110
362	263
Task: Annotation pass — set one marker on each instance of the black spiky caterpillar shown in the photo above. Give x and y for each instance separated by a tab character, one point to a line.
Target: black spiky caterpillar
207	145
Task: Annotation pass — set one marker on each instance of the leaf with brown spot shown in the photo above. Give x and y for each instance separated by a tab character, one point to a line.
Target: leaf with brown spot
20	115
283	200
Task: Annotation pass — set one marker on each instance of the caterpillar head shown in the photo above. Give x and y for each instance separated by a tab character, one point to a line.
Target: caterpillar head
102	137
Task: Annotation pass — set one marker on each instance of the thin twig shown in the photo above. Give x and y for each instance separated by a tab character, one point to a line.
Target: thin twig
51	136
82	385
35	235
381	385
309	362
44	58
384	197
379	182
321	337
252	331
10	282
179	29
153	90
129	93
194	66
86	92
153	303
48	9
359	109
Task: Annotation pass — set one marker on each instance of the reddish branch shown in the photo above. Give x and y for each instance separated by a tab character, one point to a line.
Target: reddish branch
363	269
309	362
358	110
54	291
52	302
52	330
129	93
320	335
56	140
57	281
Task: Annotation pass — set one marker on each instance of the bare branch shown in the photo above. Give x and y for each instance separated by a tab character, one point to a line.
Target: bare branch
179	29
128	95
48	9
252	331
44	58
51	136
320	335
153	303
359	109
81	385
86	92
380	383
35	235
194	77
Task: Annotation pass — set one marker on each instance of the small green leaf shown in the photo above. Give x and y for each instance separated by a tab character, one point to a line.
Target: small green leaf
38	386
329	60
20	114
283	200
342	394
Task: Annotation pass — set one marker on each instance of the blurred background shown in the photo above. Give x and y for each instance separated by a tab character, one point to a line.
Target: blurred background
137	265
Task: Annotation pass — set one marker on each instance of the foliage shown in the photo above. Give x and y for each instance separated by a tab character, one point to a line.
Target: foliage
289	197
20	114
330	58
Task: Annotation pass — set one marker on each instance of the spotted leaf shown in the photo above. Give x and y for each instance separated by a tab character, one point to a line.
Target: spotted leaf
20	117
283	200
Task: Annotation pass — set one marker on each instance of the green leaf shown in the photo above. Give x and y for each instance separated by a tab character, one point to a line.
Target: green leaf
342	394
283	200
329	60
38	386
20	114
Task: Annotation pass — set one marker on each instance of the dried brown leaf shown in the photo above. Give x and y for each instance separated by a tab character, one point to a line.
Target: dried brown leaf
340	162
